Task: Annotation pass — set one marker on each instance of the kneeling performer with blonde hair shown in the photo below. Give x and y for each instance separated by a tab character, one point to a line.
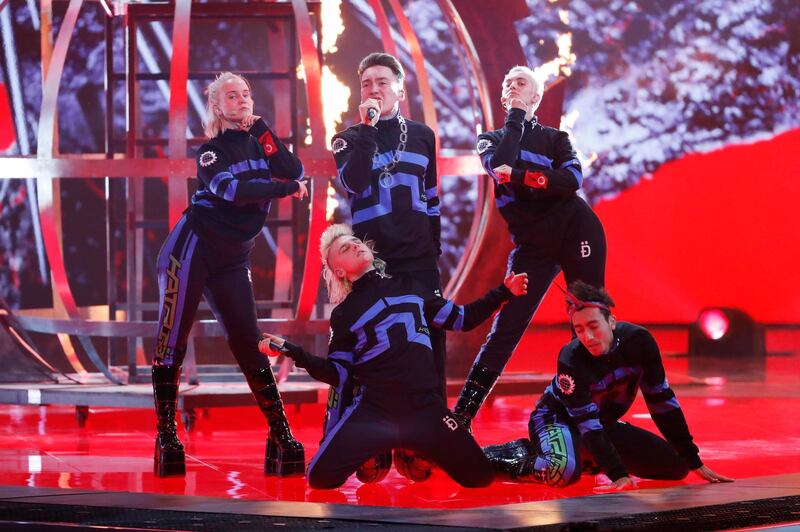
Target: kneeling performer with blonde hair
380	341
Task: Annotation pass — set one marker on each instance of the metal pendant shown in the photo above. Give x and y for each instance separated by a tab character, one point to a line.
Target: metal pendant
386	179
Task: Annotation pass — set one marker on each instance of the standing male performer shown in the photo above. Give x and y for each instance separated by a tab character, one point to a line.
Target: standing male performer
387	164
536	176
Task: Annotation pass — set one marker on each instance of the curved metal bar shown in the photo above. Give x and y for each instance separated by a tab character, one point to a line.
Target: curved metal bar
45	39
109	329
483	203
52	81
178	78
382	21
10	324
389	46
45	185
428	107
309	56
45	150
472	59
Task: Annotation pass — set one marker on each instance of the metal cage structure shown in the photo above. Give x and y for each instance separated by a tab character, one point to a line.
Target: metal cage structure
125	165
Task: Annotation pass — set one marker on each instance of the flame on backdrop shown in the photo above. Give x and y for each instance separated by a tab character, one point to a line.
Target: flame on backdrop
561	65
337	94
332	203
332	25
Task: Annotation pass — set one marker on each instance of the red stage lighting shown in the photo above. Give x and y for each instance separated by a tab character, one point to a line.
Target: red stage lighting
727	343
714	323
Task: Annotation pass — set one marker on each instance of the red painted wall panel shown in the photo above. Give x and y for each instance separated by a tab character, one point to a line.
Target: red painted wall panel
721	228
7	134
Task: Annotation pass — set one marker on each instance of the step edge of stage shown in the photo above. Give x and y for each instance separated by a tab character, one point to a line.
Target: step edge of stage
535	513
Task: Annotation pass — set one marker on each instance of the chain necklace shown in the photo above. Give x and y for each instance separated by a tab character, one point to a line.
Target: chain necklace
386	179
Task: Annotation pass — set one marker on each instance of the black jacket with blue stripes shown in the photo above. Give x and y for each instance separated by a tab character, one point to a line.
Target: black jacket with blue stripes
545	172
593	391
235	170
380	336
400	214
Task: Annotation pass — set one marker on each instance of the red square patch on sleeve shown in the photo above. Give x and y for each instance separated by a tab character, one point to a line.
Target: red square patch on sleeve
266	140
535	179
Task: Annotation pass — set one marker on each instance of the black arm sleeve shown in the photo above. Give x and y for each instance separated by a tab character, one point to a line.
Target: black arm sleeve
213	169
319	368
445	314
354	159
564	177
663	404
605	453
507	149
283	163
432	195
481	309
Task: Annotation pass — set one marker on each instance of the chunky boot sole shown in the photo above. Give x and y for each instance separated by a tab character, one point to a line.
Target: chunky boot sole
282	462
464	420
411	465
169	463
375	469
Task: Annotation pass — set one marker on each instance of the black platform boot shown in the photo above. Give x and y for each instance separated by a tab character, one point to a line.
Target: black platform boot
513	461
412	465
169	458
375	469
480	382
284	454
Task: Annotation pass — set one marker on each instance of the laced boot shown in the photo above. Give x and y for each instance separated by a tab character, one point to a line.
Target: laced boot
513	461
480	382
169	457
375	469
284	455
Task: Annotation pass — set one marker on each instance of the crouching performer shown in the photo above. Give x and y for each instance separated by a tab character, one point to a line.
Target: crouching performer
380	341
577	416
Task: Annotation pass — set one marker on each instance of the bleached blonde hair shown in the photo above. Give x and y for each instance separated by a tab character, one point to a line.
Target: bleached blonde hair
338	287
214	124
531	75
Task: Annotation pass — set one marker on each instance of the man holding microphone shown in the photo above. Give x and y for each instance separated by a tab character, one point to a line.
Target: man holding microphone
387	165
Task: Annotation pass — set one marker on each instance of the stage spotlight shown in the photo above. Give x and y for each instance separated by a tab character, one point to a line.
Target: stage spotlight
714	323
726	342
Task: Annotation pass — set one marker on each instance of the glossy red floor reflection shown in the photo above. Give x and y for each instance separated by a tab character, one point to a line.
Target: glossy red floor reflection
744	429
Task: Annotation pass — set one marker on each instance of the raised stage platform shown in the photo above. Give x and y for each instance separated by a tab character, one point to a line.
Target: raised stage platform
217	389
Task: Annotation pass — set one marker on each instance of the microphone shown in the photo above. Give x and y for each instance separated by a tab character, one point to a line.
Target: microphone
282	349
371	112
